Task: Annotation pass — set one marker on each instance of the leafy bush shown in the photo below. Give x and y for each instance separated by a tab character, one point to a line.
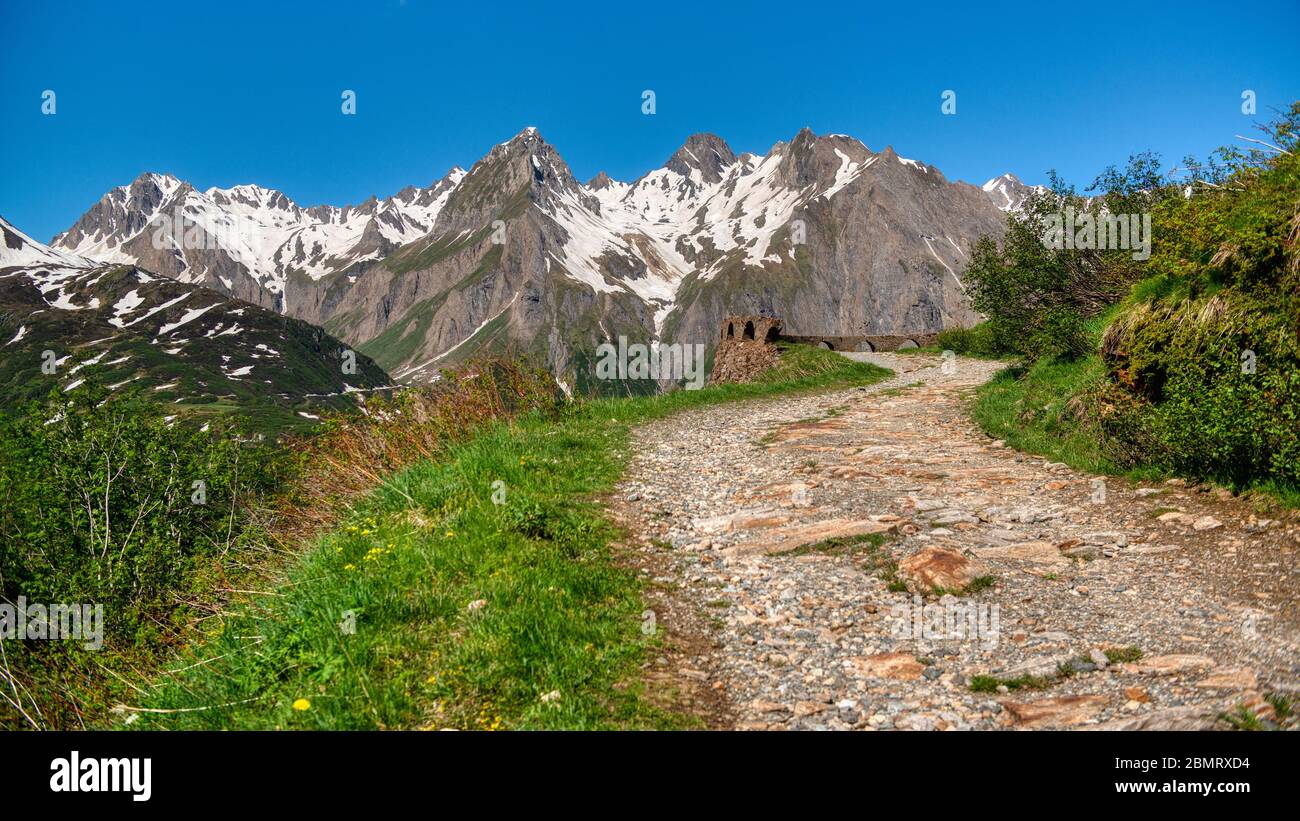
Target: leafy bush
107	503
978	341
110	504
1184	398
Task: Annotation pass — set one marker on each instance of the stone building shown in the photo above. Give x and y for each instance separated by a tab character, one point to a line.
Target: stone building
745	348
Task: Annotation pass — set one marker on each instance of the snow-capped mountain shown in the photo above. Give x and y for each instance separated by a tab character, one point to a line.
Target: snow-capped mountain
64	317
516	254
19	250
1009	193
247	241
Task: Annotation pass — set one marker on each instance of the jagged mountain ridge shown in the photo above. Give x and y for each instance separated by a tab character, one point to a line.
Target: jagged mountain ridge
182	344
247	240
519	255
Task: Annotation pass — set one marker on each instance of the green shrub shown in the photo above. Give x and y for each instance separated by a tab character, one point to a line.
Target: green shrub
1185	399
111	504
107	503
102	508
1198	369
977	341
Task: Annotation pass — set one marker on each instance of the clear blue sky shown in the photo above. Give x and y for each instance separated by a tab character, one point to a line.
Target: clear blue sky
233	92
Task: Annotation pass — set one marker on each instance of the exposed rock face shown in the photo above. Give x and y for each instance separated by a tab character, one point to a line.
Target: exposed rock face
514	264
154	223
832	237
745	348
890	665
940	568
600	182
517	255
1061	711
706	154
1192	718
1173	664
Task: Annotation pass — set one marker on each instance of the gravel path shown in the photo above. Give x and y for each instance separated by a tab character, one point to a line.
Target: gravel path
754	520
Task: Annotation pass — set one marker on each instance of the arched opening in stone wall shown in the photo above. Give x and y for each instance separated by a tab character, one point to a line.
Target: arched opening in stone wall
731	330
908	345
772	334
825	346
865	346
749	330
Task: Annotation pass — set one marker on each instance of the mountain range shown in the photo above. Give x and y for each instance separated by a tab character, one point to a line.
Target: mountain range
516	255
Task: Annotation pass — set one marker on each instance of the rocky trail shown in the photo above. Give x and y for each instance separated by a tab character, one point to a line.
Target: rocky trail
788	539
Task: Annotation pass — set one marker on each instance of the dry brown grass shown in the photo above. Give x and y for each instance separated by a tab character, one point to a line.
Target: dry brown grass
354	453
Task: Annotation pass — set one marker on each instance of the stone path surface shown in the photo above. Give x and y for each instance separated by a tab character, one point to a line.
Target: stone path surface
795	545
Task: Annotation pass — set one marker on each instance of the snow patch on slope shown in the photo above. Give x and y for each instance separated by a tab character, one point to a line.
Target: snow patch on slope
259	228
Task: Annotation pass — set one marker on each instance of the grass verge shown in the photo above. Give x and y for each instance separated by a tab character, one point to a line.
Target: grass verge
1039	410
1031	409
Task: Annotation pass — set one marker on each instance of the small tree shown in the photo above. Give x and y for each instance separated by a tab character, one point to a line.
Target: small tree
1038	297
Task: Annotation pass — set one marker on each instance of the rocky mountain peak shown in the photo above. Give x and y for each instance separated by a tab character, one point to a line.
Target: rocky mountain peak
1008	193
804	137
247	240
600	182
18	249
252	197
525	141
153	181
812	160
525	165
407	194
706	153
150	189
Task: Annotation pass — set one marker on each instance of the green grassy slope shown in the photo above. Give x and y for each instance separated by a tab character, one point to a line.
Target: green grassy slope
235	356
